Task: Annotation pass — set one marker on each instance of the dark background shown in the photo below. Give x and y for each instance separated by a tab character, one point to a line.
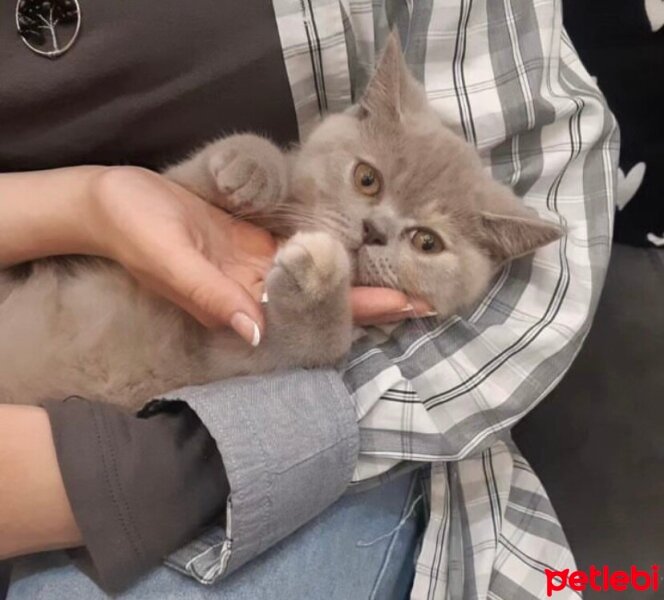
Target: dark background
616	43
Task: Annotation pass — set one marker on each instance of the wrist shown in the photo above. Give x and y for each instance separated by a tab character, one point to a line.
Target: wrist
109	211
76	229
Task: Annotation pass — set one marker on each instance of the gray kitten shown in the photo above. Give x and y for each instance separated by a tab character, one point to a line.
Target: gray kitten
382	194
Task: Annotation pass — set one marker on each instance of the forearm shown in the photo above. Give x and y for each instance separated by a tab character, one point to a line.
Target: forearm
35	513
130	489
46	213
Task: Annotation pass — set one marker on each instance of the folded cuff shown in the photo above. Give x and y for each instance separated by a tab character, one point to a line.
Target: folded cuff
289	443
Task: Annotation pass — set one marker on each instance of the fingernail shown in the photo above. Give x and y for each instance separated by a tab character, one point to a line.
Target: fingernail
247	328
431	313
264	298
409	308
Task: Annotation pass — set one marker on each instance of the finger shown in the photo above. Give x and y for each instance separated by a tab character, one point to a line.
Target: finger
215	299
257	290
371	302
375	306
419	308
247	276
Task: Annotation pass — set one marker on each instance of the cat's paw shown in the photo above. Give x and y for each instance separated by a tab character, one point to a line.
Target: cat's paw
249	172
310	269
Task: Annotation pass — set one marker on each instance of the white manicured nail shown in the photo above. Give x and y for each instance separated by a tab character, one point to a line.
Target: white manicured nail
247	328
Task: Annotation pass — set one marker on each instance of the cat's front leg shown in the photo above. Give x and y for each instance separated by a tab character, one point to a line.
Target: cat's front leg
309	321
243	174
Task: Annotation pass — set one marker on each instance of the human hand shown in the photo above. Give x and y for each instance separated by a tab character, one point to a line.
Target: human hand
378	306
182	248
202	259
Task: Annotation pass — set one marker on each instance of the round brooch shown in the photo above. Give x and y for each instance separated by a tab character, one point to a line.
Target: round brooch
48	27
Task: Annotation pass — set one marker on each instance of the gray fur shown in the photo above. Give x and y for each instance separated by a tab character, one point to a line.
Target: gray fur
94	332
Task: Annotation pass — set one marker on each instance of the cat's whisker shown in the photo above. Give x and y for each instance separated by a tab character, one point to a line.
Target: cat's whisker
273	221
339	216
311	221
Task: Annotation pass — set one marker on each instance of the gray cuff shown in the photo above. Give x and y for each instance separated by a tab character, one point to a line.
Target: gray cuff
289	443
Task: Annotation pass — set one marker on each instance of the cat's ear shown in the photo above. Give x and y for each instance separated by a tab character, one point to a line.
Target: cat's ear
392	91
508	229
506	237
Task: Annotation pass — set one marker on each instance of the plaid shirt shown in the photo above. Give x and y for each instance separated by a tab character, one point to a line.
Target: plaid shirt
504	75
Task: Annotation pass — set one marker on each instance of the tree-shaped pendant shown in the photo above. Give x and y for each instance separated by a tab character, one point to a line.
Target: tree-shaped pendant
48	27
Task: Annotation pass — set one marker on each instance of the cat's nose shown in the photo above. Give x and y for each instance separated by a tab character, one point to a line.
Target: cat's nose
372	236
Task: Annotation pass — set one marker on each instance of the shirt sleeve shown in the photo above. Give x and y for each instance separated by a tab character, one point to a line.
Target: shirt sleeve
139	487
289	444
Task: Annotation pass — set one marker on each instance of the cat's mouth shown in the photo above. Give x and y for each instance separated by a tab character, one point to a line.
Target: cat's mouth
372	270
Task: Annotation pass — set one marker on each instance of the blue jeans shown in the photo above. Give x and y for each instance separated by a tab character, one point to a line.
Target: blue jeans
364	546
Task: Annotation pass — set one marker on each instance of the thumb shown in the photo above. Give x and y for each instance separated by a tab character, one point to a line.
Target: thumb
215	299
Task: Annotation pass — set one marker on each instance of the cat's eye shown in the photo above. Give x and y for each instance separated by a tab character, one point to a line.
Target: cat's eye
366	179
425	240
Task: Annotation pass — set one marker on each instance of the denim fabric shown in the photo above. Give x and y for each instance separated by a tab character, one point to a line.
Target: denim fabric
362	547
